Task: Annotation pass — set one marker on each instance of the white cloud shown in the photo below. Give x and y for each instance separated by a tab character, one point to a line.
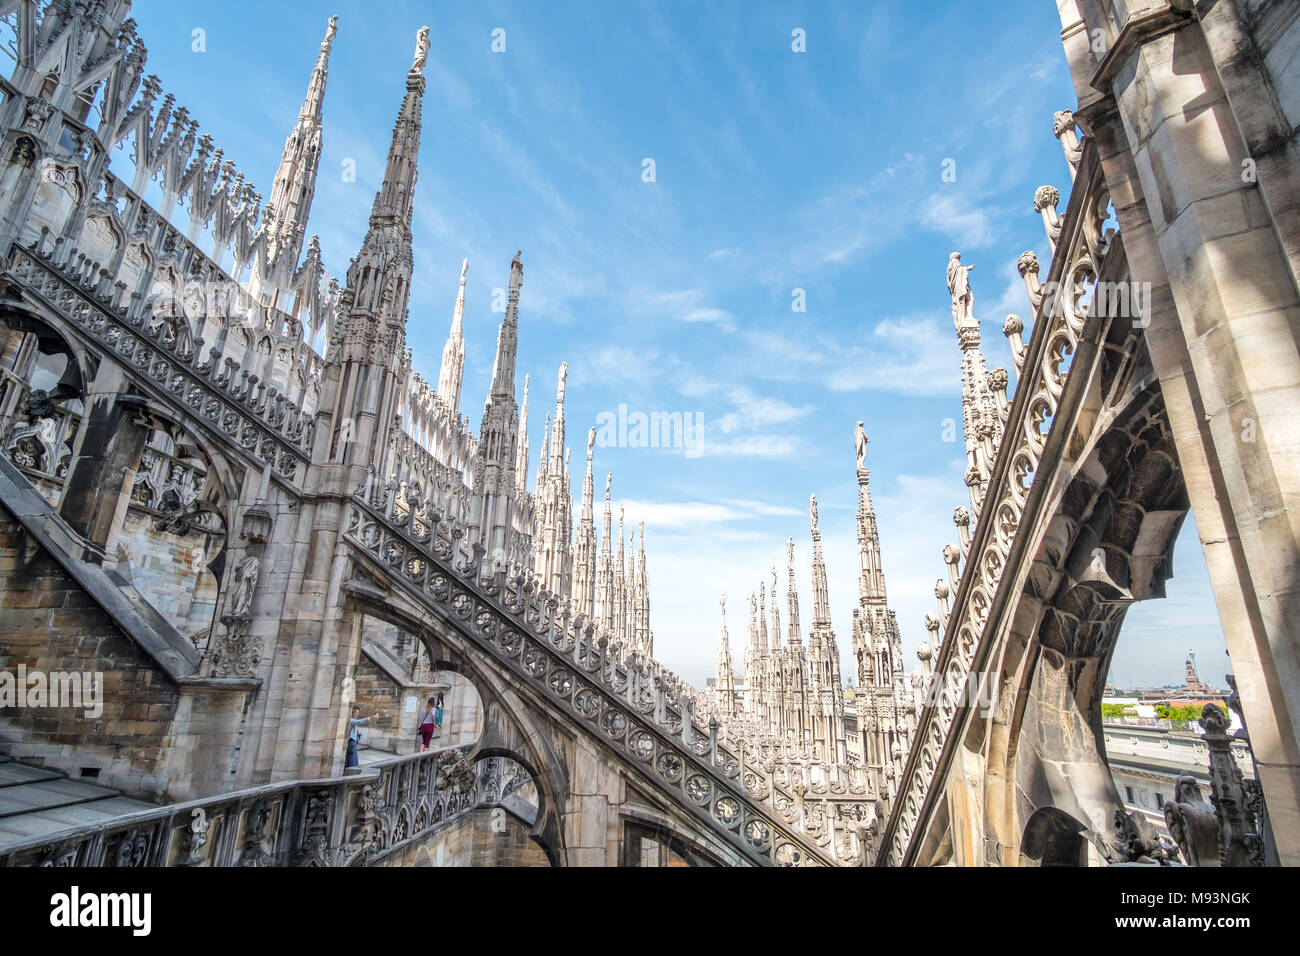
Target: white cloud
719	317
700	515
616	365
750	411
754	446
915	354
970	227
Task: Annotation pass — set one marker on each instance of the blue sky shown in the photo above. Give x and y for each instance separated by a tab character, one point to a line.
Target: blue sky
774	171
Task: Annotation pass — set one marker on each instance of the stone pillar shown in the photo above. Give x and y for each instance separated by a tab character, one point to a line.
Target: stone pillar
1221	331
104	462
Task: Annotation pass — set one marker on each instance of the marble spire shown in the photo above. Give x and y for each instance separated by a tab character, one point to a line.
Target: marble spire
284	224
452	372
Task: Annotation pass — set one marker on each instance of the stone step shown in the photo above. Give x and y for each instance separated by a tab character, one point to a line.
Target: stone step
47	794
44	822
15	774
36	802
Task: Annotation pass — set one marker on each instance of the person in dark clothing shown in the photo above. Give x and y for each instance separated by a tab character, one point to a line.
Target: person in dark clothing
354	735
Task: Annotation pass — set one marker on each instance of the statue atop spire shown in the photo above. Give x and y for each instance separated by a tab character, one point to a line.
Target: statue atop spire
516	272
860	445
959	288
421	50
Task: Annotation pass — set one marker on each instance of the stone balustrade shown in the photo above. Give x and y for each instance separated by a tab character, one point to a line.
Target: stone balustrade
350	820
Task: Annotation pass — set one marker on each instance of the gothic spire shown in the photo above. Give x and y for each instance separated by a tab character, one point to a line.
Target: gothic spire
557	434
641	616
584	558
620	586
792	597
983	392
588	483
871	577
497	470
311	107
776	615
397	194
452	373
379	277
543	460
725	681
821	592
503	366
285	221
605	567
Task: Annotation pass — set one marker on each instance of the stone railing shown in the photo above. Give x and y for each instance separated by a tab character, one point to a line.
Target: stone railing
418	475
633	707
259	421
833	800
1081	242
340	821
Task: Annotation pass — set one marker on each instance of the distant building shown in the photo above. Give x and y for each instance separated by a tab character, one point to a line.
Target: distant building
1146	762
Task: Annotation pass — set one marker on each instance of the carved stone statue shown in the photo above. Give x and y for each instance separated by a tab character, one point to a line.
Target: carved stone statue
960	290
241	603
608	478
1136	840
421	50
564	375
1193	824
812	510
860	445
516	272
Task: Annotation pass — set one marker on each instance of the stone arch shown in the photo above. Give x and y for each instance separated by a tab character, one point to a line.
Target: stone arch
21	152
59	191
509	728
42	390
1106	545
642	826
189	516
1053	838
101	238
